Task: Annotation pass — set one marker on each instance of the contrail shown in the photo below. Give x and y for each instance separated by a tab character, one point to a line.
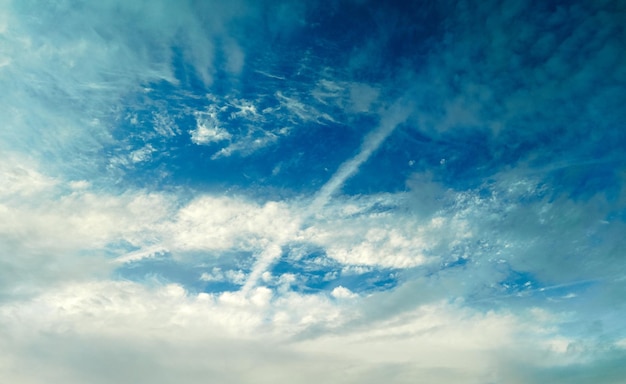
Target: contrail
394	116
347	169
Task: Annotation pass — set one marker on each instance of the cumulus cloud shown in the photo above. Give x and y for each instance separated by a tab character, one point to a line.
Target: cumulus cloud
98	321
225	223
342	293
55	231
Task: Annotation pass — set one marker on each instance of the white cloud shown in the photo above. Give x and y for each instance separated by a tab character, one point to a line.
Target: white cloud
221	223
302	111
4	19
142	154
232	276
405	331
125	308
354	232
81	220
354	97
164	125
391	118
370	241
238	126
78	185
245	109
142	253
208	128
52	233
341	292
386	230
235	57
246	145
151	325
20	178
66	87
205	135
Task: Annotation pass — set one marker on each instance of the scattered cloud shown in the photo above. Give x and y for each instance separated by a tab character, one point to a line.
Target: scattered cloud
208	129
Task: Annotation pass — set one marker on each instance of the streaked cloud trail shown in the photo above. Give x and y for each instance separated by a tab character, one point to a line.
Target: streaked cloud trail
390	119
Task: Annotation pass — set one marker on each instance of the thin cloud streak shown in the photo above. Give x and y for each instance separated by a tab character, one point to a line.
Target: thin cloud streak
391	118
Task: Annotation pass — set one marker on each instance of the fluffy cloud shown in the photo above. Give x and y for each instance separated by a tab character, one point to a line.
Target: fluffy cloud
225	223
54	231
257	334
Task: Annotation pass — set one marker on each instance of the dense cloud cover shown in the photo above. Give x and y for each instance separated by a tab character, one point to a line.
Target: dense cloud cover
302	191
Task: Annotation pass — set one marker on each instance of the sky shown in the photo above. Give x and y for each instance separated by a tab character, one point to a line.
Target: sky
344	191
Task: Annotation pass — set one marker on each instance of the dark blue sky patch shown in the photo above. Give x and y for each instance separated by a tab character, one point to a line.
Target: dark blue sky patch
313	282
583	181
379	279
470	154
315	272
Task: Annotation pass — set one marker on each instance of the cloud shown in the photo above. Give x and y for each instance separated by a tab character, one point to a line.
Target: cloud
56	231
362	96
65	85
236	277
128	233
493	234
388	123
375	231
341	292
516	80
208	128
95	322
21	179
221	223
242	127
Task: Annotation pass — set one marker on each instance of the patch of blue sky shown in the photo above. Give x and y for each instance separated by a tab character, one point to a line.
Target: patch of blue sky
311	274
378	279
617	214
523	290
301	164
315	272
307	155
285	167
458	261
196	273
462	160
581	182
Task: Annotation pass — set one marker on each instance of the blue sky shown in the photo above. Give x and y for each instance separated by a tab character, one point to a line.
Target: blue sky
304	191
